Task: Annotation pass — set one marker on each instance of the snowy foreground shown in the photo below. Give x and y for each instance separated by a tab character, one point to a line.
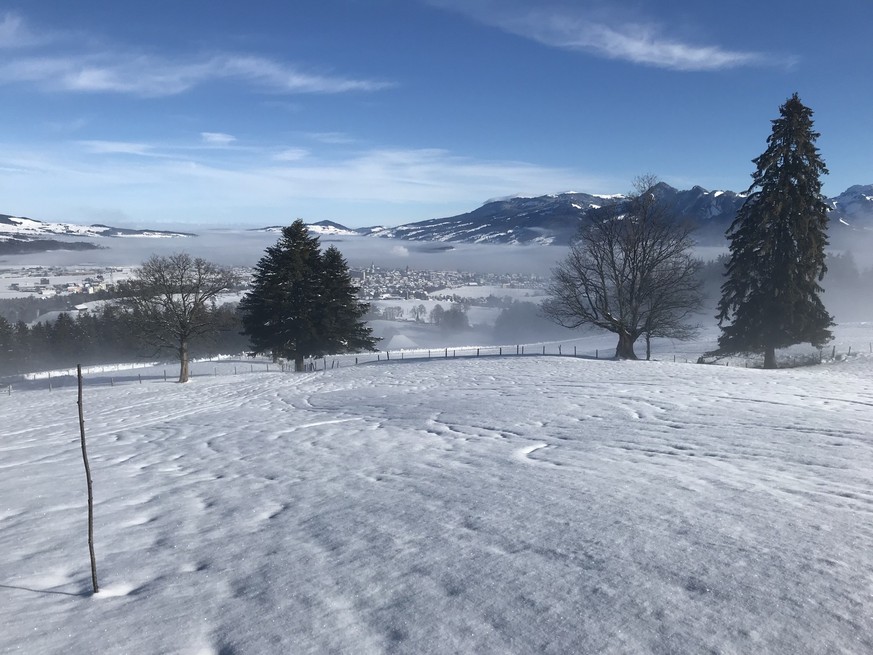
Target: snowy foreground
498	505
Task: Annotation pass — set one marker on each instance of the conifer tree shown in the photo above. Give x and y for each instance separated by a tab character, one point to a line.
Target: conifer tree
771	298
277	311
340	312
6	347
302	303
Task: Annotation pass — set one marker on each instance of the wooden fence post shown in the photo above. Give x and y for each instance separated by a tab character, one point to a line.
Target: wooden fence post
88	480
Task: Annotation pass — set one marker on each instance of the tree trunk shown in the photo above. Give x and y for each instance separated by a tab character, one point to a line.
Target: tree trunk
648	346
625	348
183	361
769	357
298	363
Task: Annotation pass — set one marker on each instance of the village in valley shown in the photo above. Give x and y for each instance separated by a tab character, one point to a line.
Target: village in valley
375	284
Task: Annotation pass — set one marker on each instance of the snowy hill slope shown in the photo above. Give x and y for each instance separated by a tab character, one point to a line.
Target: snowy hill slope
854	206
18	227
507	505
321	228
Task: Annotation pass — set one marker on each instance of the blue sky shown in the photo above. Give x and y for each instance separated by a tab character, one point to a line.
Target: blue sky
388	111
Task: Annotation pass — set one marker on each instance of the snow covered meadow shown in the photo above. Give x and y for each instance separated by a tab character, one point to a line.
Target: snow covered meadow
493	505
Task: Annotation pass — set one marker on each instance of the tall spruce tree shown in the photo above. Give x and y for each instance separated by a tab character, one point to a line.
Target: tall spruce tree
771	297
302	303
340	312
277	313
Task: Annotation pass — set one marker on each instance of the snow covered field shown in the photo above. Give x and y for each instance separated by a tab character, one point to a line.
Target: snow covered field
494	505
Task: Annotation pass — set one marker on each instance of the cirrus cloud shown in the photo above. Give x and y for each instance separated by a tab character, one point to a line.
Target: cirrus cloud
611	37
147	76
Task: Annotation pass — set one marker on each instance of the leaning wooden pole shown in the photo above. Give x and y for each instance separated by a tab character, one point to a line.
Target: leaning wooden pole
90	490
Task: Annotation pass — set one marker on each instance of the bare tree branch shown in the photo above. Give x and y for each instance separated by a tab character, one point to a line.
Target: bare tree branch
630	272
171	298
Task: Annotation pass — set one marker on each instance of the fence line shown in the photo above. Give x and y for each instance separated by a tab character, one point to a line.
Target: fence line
112	374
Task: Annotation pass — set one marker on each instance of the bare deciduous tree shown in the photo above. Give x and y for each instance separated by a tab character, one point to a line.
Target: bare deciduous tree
171	297
629	271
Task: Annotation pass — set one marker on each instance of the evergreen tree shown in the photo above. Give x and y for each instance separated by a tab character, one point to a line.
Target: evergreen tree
279	312
22	345
7	364
339	312
771	297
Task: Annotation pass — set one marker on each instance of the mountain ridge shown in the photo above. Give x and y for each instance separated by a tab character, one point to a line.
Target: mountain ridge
554	219
550	219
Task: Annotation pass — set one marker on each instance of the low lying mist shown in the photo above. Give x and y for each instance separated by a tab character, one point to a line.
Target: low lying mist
246	247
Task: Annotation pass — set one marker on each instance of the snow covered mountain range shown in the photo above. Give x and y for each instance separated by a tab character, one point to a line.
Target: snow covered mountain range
12	227
554	219
550	219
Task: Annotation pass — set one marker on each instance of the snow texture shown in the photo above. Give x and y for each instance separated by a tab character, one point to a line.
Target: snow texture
494	505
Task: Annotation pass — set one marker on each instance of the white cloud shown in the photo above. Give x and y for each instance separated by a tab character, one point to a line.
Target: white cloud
187	184
118	148
14	33
638	43
154	77
332	138
217	138
283	78
291	154
611	37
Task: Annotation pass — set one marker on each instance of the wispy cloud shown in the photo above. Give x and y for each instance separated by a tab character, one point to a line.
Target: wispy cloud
332	138
637	41
154	77
14	33
118	148
291	154
390	183
217	138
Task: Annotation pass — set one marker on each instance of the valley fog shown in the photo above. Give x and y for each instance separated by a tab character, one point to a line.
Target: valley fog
245	248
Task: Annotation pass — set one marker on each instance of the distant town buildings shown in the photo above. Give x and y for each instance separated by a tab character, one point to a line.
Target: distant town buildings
406	284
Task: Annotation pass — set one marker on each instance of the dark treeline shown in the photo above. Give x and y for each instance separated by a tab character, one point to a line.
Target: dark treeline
104	336
847	286
30	308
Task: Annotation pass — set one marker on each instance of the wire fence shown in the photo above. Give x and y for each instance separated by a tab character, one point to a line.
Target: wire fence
140	373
